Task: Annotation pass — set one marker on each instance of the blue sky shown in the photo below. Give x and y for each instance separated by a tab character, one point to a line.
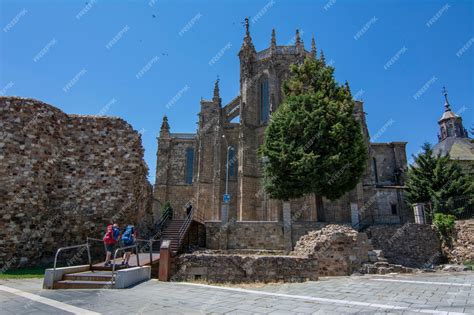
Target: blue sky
397	56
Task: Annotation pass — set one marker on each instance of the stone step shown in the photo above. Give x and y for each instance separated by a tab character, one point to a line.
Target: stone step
75	284
89	276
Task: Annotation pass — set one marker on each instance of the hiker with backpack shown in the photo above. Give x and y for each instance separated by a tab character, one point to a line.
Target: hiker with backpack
111	237
128	239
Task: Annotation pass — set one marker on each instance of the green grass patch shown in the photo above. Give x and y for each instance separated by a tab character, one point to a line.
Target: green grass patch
23	273
469	263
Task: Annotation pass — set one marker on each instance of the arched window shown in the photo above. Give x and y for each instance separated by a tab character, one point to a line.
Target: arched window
189	165
264	101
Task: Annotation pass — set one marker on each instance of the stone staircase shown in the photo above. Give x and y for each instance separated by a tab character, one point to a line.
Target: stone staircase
86	280
171	232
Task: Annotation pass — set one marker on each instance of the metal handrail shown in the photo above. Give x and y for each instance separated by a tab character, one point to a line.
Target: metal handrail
150	246
184	228
123	248
72	247
94	239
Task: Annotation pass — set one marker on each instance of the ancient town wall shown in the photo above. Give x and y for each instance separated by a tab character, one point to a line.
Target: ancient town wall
65	177
411	245
222	268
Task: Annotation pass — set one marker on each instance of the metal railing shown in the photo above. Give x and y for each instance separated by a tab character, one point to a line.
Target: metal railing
122	249
72	247
150	246
184	228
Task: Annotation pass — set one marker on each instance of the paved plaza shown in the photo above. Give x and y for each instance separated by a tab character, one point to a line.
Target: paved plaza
428	293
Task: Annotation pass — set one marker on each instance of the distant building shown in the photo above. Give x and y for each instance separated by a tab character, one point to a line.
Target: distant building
191	168
453	138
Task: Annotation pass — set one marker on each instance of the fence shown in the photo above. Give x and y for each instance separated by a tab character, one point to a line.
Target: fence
462	207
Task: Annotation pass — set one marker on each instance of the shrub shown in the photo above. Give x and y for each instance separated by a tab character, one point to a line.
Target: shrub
444	223
167	207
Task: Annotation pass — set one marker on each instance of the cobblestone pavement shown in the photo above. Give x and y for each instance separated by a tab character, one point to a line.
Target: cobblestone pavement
438	293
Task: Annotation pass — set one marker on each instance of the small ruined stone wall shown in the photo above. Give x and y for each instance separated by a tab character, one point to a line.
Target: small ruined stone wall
339	249
411	245
254	234
461	247
298	229
221	268
245	235
65	177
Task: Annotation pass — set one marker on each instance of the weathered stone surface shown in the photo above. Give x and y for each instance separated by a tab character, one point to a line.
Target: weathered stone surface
255	234
234	268
411	245
461	244
339	249
456	268
64	177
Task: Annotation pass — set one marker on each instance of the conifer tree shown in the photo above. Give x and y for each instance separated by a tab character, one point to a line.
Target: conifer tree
313	143
440	183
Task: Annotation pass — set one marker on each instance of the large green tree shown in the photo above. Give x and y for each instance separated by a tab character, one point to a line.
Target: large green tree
440	183
313	143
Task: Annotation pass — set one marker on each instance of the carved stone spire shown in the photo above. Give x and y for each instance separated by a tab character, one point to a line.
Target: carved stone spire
216	97
297	38
247	53
322	58
313	48
273	42
165	127
247	26
247	39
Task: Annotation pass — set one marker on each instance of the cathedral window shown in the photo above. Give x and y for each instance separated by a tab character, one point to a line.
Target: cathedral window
264	101
189	165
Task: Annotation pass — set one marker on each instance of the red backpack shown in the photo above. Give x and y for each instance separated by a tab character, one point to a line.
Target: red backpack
109	235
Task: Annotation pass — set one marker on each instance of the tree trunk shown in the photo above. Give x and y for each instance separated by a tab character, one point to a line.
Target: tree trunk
320	208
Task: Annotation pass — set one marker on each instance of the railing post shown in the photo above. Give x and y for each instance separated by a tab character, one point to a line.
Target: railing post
89	255
138	256
151	249
165	261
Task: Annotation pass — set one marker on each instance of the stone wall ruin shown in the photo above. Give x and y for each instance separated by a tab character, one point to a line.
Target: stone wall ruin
65	177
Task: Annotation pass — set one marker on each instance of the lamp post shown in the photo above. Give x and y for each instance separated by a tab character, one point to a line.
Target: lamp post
226	197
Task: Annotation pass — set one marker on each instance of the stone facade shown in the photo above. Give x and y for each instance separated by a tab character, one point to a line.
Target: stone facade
411	245
201	180
235	268
257	235
65	177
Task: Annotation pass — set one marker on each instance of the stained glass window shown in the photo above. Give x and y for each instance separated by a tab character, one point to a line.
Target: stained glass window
232	162
264	101
189	165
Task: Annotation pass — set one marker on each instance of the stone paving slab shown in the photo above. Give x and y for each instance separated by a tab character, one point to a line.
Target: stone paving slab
408	294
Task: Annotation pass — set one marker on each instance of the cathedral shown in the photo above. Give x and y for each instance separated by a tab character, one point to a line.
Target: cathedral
221	158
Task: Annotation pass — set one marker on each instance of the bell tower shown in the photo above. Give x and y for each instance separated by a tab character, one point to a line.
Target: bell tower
450	124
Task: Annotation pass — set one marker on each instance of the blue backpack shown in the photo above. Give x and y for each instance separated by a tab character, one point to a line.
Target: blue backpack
127	237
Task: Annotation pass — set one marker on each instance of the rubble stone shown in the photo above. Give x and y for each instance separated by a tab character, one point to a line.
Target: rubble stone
64	177
339	249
